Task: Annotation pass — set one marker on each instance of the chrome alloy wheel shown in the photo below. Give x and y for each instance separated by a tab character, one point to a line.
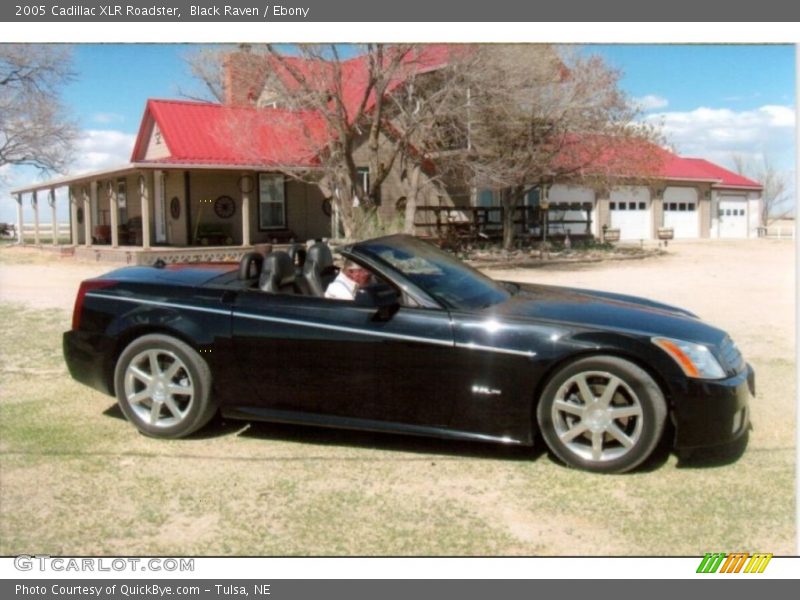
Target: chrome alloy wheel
597	416
159	388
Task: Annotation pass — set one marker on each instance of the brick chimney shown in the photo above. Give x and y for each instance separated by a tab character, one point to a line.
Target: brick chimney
244	74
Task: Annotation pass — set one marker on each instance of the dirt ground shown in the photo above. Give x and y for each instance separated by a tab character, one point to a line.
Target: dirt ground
265	489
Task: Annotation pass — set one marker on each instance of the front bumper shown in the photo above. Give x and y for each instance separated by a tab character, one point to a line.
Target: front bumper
88	360
711	413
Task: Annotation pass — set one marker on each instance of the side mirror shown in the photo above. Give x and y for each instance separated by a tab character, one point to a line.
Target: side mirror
381	296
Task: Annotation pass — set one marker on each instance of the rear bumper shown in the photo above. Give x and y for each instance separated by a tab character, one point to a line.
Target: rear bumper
88	360
712	413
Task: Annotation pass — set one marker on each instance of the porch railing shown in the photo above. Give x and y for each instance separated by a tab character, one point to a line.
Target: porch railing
473	223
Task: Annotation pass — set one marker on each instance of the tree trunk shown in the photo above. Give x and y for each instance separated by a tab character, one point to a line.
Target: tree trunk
411	199
509	199
343	196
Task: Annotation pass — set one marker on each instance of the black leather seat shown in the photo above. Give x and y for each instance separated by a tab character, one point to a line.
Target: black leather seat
250	266
277	274
297	252
318	270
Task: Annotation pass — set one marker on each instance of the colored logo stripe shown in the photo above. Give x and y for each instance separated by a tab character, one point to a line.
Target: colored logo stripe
733	562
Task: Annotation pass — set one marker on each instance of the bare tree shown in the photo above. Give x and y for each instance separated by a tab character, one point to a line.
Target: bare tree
206	66
350	99
34	128
501	117
538	114
373	110
774	196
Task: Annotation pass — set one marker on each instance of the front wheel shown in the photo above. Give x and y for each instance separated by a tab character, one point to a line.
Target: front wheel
602	414
164	387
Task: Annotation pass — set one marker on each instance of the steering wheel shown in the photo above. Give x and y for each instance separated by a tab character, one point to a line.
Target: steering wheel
250	265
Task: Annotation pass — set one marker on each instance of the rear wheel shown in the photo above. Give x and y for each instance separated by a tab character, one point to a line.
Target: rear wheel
164	387
602	414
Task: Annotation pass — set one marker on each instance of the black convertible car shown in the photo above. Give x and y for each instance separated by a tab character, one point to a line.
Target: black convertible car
429	347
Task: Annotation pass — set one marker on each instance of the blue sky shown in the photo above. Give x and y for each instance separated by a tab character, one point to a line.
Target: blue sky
712	100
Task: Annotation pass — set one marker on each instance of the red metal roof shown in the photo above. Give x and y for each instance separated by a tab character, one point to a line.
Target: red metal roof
322	75
206	133
723	177
598	154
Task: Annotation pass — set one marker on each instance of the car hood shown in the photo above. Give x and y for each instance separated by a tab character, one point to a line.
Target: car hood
608	311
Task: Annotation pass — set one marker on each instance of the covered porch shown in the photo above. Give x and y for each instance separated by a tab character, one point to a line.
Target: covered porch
138	213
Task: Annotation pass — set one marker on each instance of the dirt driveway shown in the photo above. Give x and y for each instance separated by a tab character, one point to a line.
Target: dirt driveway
264	489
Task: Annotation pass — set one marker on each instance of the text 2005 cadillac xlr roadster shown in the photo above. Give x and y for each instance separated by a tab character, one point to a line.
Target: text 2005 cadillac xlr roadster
429	347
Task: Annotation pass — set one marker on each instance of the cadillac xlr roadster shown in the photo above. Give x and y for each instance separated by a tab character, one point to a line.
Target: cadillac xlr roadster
428	347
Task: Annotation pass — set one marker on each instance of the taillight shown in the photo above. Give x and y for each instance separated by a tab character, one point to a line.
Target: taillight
86	286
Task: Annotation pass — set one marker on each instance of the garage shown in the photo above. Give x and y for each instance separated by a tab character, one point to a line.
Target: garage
680	212
629	208
732	214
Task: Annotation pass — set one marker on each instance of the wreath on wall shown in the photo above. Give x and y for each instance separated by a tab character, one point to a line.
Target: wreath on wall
175	208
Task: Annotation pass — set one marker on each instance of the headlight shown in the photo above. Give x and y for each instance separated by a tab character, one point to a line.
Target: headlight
696	360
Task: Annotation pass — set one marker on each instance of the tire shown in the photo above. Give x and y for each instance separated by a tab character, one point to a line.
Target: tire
174	403
616	428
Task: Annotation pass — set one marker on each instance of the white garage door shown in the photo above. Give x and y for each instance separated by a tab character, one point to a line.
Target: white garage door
732	217
630	213
680	212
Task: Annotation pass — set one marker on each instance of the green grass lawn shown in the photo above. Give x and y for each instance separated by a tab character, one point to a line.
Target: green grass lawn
75	478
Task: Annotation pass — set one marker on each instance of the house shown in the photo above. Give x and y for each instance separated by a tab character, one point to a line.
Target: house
194	188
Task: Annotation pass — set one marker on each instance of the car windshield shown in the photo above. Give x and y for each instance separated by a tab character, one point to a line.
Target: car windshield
443	277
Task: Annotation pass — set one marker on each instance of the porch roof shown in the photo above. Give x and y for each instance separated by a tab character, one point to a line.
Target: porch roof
79	178
135	167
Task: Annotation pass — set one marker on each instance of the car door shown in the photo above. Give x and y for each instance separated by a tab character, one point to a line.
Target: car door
303	354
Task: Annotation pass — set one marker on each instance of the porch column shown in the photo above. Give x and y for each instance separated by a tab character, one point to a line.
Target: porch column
94	199
35	203
54	223
20	221
87	217
113	209
145	199
73	217
245	186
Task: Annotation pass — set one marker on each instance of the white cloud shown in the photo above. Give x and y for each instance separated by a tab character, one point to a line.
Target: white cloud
718	133
101	149
106	118
650	102
96	149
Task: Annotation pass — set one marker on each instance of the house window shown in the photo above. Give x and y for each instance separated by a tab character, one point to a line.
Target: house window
532	197
271	201
363	178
